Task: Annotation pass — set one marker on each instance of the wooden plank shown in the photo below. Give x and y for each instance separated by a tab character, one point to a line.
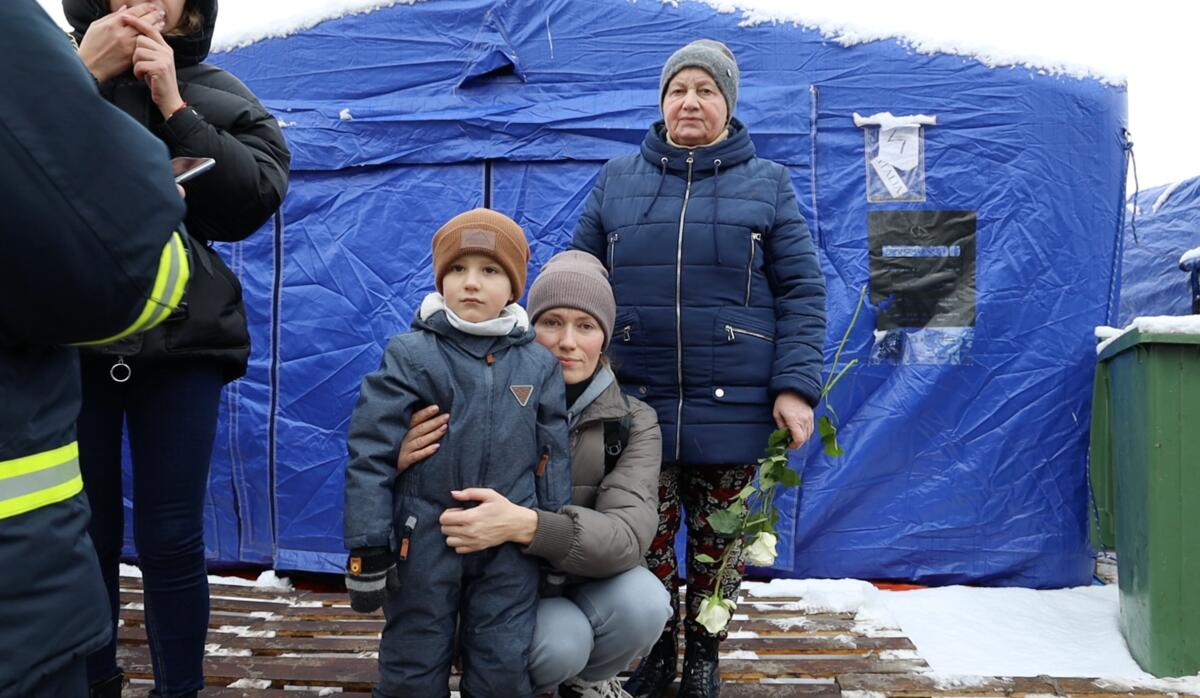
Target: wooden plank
792	626
268	646
352	673
753	670
816	644
780	690
216	619
220	603
919	686
312	628
248	592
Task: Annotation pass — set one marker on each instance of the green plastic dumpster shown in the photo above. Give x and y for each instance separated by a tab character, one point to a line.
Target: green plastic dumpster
1154	439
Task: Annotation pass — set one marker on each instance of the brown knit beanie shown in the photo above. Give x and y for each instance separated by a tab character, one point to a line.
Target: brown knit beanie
574	279
487	232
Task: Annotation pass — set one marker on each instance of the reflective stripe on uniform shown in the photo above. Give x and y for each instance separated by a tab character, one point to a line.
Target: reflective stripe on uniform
30	482
169	284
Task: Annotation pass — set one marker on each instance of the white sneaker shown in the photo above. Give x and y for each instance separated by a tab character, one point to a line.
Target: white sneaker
578	688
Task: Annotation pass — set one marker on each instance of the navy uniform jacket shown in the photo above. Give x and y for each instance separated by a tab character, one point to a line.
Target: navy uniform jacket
89	210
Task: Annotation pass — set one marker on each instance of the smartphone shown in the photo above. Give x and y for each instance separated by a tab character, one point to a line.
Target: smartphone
187	168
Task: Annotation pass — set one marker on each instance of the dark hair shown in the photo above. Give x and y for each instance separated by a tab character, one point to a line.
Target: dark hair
190	22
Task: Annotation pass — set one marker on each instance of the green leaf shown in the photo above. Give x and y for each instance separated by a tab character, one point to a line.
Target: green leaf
825	427
727	521
746	492
779	438
829	444
788	477
701	557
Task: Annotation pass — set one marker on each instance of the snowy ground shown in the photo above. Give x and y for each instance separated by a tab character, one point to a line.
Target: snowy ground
970	631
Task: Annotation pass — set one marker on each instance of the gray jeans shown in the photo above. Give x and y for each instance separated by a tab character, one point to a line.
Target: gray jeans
597	628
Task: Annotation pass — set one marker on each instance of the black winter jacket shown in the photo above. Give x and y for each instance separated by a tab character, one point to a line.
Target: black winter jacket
226	122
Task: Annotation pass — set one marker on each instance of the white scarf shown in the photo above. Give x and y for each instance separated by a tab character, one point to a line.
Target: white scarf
511	316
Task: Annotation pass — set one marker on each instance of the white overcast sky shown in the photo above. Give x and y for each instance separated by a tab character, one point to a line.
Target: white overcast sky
1152	44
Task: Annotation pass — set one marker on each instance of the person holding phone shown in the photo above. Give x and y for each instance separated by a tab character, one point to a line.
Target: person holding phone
164	387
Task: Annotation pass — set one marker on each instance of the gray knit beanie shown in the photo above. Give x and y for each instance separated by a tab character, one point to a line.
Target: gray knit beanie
713	57
574	279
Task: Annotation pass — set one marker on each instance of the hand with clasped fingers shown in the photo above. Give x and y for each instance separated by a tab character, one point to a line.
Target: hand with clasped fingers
494	520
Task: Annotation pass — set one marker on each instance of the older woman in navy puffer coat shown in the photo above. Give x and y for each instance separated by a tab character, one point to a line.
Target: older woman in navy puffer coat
720	321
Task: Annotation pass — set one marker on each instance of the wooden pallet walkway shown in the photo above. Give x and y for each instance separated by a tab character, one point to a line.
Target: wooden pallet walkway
283	644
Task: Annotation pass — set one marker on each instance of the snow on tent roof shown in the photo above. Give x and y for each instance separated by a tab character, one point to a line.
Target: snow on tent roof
847	24
964	423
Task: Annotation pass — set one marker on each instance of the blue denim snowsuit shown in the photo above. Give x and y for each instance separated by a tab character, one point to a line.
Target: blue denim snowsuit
505	397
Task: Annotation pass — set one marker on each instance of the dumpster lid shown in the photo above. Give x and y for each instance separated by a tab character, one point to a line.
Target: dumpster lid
1159	329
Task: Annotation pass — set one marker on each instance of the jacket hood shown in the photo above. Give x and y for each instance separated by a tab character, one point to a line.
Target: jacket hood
189	50
734	150
475	345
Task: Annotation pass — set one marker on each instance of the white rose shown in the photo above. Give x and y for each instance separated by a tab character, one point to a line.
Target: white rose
715	613
761	552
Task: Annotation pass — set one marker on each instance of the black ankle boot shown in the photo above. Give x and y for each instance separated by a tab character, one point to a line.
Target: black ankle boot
657	669
701	670
108	688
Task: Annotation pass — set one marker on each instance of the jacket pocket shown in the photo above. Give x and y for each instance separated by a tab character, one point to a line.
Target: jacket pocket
213	316
743	347
611	252
755	243
627	346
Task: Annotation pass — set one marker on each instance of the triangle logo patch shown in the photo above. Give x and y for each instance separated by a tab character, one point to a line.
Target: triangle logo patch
522	393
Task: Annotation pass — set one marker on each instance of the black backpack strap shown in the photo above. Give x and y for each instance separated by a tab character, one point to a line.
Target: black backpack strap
616	436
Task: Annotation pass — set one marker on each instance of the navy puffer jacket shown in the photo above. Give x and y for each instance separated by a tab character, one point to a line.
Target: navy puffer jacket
720	299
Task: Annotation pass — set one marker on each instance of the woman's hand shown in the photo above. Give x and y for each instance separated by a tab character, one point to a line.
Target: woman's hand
425	431
794	413
494	521
107	47
154	62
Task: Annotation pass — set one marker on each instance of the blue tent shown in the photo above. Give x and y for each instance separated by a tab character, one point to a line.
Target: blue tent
989	253
1163	223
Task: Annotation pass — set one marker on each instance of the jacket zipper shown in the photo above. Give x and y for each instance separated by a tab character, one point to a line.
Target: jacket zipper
612	251
687	195
731	332
626	333
754	237
490	360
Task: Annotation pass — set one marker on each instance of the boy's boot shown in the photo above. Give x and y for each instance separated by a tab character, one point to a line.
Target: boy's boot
657	669
108	688
701	671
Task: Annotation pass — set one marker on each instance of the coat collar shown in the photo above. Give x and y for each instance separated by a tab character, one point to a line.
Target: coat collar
734	150
611	403
474	345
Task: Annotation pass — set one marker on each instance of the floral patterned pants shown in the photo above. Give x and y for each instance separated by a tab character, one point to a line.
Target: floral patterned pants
701	490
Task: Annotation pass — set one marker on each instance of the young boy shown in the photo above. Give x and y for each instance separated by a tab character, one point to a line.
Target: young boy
471	353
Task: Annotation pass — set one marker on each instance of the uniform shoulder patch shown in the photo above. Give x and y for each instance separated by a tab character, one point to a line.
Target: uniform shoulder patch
522	393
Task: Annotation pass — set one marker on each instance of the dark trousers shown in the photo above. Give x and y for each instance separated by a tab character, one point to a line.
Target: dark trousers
701	490
170	411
